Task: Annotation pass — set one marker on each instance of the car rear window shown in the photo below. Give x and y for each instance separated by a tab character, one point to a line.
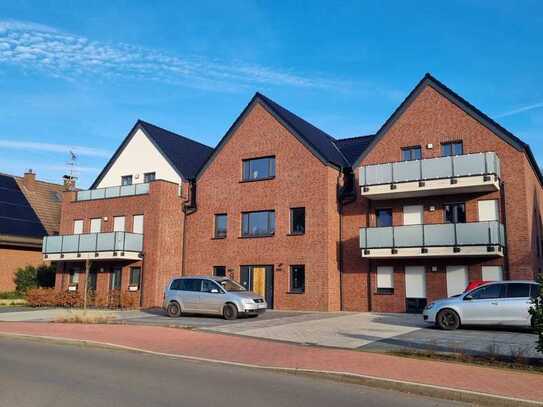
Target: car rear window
518	290
186	284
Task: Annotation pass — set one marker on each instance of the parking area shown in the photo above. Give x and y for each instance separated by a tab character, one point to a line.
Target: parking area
364	331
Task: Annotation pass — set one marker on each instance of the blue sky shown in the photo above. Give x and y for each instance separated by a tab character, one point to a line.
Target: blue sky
76	75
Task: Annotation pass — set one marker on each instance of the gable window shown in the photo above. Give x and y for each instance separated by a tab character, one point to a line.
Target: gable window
258	168
454	148
126	180
455	213
219	271
261	223
411	153
297	278
297	221
149	176
221	225
383	217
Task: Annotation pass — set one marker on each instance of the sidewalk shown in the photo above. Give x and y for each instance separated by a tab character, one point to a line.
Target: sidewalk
265	353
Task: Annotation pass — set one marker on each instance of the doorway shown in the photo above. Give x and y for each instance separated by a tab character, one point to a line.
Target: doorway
415	289
457	280
258	279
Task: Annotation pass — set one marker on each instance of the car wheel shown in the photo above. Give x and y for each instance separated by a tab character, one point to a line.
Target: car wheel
230	312
173	310
448	320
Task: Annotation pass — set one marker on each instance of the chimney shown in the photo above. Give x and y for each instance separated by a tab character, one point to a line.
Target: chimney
69	183
29	179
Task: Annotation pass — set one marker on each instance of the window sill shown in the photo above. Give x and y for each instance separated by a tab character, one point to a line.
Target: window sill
218	238
385	291
243	181
295	292
295	234
256	236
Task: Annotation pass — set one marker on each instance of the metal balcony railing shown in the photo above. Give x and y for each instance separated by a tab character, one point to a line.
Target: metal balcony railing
93	242
432	168
490	233
113	192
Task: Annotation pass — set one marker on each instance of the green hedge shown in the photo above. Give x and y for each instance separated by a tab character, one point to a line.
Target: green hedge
33	277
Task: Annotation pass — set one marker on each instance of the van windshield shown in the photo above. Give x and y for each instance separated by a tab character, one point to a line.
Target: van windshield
230	285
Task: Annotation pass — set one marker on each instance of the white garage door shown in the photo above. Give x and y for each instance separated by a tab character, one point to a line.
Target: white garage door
492	273
457	279
415	282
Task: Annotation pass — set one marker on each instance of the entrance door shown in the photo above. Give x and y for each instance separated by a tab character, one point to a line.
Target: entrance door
457	279
415	288
259	279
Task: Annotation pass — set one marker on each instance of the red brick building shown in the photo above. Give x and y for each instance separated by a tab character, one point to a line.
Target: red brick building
439	196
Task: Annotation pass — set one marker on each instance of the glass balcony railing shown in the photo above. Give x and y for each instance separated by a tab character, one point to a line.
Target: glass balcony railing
489	233
431	168
113	192
93	242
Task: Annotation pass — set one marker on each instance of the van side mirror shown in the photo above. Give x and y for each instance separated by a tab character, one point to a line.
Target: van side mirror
468	297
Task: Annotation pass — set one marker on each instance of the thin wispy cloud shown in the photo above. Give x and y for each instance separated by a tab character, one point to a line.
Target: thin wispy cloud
521	110
64	55
54	148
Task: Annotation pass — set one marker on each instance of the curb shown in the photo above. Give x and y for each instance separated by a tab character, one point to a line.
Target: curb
428	390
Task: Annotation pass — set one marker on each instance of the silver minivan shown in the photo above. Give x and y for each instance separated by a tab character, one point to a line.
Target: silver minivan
211	295
494	303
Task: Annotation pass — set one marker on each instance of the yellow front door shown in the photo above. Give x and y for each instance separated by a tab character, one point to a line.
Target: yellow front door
259	281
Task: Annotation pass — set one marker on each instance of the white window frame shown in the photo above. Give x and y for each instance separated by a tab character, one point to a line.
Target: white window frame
93	223
136	228
119	223
78	226
385	277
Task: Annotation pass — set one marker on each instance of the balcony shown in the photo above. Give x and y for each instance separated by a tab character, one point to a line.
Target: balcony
466	173
113	192
95	246
434	240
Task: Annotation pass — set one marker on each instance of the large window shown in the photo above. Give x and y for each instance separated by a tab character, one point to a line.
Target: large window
126	180
258	168
297	278
258	223
221	225
135	276
454	148
297	221
383	217
411	153
149	176
455	213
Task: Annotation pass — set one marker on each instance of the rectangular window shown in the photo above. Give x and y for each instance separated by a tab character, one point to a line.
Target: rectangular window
297	221
385	279
135	276
115	279
219	271
297	279
149	177
91	286
260	223
74	276
137	224
78	227
454	148
96	225
518	290
455	213
383	217
118	223
221	225
411	153
258	168
126	180
488	210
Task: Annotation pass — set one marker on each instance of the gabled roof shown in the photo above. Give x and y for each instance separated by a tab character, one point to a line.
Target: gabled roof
17	217
186	156
353	147
468	108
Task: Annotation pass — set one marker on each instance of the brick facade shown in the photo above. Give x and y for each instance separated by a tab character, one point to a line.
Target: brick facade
13	258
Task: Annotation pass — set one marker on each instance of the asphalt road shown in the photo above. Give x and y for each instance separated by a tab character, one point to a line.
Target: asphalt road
37	373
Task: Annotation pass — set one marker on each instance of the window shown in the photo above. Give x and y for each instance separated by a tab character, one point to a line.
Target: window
91	286
221	225
219	271
454	148
534	292
78	227
411	153
518	290
187	284
208	285
74	276
258	223
126	180
115	279
297	221
489	292
488	210
385	280
137	224
135	276
297	279
383	217
455	213
118	223
96	225
258	168
149	176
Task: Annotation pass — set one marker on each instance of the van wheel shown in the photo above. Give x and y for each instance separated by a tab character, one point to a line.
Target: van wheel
448	320
230	312
173	310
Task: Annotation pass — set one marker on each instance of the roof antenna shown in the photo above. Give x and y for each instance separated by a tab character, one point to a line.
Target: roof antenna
72	165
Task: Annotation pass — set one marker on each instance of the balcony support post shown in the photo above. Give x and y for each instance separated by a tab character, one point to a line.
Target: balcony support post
87	270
